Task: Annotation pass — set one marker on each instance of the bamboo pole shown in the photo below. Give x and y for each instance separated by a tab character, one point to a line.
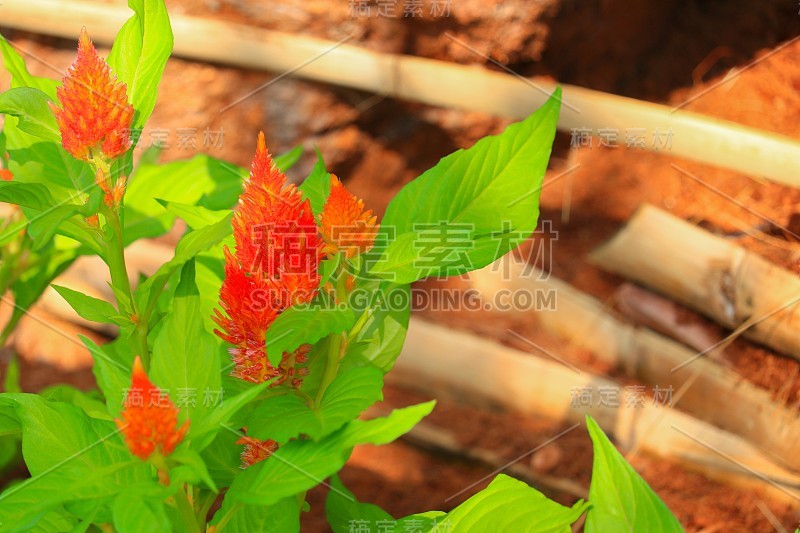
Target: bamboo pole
693	136
700	386
438	360
735	287
446	362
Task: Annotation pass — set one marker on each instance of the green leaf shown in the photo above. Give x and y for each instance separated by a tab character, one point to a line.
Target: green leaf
287	160
472	207
139	54
33	195
305	324
344	511
281	517
88	307
621	499
188	247
192	469
204	432
20	77
31	107
510	505
302	464
70	457
202	180
285	417
380	340
317	186
195	216
112	370
185	361
134	514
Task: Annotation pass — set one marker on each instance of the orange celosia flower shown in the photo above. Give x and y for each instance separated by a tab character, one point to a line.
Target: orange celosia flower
149	420
344	224
6	174
275	265
256	450
95	113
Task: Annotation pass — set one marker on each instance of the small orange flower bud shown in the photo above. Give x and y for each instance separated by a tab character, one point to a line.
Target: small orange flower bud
6	174
93	220
149	419
95	115
344	224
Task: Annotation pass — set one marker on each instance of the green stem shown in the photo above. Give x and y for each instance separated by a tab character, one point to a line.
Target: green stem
338	341
187	512
115	257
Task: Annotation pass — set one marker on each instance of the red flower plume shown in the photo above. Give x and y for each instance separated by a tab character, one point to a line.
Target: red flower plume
149	420
95	113
275	265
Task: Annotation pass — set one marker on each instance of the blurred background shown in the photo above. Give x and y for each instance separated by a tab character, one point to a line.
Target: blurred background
733	60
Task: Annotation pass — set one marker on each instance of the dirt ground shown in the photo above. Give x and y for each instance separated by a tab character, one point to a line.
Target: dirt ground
665	52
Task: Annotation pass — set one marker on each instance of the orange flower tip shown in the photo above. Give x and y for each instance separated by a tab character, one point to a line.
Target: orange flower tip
261	145
138	368
149	420
95	116
5	174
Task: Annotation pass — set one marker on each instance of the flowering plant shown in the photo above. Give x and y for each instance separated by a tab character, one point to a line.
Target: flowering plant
243	363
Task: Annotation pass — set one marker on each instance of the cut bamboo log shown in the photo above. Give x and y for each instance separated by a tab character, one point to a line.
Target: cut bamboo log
693	136
441	361
735	287
438	360
426	435
700	386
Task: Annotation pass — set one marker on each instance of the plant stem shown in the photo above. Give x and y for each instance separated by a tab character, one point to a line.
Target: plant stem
338	340
115	257
187	512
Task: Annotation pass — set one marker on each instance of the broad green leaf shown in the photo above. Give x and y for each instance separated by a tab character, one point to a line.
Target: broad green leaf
472	207
302	464
510	505
202	180
88	307
139	54
305	324
281	418
621	499
191	469
184	360
33	195
222	458
20	77
380	340
134	514
112	370
317	186
203	433
281	517
343	511
188	247
90	402
70	457
30	106
195	216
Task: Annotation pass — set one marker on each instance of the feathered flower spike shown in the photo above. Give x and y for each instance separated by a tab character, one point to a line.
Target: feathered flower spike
149	420
95	117
274	266
344	223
